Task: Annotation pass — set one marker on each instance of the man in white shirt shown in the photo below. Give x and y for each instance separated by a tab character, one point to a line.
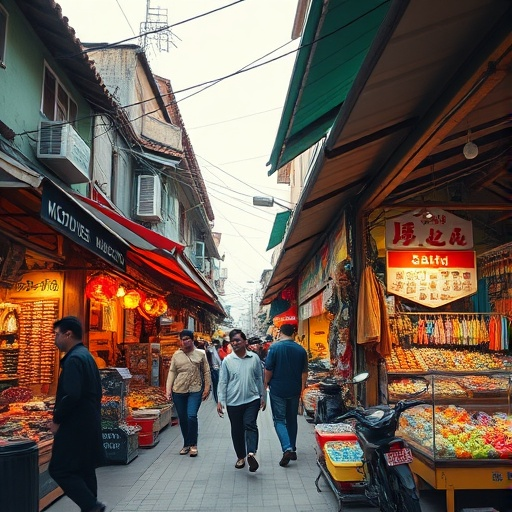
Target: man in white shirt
241	390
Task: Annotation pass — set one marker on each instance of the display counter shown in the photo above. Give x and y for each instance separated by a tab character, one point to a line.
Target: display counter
461	437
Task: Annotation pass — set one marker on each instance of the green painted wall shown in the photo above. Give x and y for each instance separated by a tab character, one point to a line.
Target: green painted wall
21	84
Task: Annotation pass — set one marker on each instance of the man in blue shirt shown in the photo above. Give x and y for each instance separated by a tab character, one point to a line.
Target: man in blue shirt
286	371
241	390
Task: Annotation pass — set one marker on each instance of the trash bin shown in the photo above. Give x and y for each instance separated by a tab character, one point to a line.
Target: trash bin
19	467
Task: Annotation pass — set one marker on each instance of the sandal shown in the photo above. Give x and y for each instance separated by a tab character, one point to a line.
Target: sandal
185	450
240	463
193	451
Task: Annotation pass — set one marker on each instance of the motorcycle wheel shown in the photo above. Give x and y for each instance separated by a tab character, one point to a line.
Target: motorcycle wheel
394	497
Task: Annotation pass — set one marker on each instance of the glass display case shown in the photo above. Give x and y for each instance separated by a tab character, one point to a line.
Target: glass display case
466	415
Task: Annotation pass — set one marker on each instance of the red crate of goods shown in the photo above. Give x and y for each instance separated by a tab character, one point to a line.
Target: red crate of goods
149	428
333	432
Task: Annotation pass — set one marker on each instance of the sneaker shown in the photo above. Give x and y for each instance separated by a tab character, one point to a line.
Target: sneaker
253	463
287	457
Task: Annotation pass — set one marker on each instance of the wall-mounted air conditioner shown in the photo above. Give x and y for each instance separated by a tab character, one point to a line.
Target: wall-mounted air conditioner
61	148
199	255
149	198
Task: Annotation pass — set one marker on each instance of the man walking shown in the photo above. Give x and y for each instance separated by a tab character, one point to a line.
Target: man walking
286	371
241	390
78	444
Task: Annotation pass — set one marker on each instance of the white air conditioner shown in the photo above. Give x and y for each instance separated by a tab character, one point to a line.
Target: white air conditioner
149	198
199	256
61	148
224	273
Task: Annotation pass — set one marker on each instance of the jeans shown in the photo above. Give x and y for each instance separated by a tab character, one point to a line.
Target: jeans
214	372
187	405
284	414
244	429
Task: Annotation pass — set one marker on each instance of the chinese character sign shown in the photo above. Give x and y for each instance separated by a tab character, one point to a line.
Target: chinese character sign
432	229
431	278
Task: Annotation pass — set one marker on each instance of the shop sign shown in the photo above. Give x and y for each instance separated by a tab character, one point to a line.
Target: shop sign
38	286
430	228
60	211
431	278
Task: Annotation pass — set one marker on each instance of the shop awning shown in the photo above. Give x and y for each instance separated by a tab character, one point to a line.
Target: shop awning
155	251
334	44
278	229
15	174
132	232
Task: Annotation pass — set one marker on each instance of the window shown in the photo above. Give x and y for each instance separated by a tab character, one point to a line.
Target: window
57	105
3	35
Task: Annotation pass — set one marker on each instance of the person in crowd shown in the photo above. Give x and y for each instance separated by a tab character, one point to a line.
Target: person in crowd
266	345
286	371
78	444
225	349
214	361
188	384
241	391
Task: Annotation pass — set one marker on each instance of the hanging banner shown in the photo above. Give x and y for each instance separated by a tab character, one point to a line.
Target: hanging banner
427	229
431	278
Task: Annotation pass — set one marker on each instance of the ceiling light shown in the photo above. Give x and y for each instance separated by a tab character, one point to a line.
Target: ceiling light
470	149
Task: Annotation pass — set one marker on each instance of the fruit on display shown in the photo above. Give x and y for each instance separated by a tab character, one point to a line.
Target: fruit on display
459	434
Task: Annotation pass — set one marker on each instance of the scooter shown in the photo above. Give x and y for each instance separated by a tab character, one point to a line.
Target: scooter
389	480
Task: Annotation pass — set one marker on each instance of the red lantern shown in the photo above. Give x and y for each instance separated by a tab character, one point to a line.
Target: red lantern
101	288
154	306
132	299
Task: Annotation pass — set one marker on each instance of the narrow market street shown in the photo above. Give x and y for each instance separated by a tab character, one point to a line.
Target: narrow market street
161	480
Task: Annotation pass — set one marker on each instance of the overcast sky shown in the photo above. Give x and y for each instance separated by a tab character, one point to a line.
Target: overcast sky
232	125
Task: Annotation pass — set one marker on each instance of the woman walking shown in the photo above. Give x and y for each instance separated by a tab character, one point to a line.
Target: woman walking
188	384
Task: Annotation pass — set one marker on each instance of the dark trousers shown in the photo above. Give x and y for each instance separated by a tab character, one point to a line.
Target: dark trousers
215	382
79	486
244	428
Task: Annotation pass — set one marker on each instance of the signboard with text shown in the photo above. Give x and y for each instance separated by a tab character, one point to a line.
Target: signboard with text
431	278
429	229
59	210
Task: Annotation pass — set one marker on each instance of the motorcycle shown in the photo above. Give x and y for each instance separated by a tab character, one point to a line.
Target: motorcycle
390	484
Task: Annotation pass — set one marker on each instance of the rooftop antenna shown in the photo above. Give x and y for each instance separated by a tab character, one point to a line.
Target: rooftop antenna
155	31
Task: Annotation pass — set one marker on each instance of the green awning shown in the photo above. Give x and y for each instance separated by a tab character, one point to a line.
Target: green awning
278	229
334	44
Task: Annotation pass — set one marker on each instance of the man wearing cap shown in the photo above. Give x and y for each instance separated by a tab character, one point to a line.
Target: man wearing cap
78	444
286	371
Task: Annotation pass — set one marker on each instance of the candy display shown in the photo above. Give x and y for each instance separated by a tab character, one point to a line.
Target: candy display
423	359
343	460
146	397
459	433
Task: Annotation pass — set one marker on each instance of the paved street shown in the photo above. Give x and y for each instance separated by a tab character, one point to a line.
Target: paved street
161	480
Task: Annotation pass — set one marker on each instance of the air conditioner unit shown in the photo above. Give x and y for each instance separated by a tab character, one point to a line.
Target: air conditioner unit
61	148
149	198
224	273
199	255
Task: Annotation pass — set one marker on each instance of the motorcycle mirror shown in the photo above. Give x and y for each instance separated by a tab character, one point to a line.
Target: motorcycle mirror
360	377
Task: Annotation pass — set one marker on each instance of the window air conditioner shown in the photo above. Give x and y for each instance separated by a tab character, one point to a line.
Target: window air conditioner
149	198
61	148
199	255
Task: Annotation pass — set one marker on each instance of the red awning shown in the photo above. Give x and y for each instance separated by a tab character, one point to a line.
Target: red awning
109	216
156	252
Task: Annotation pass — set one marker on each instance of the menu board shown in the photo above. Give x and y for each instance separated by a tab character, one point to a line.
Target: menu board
431	278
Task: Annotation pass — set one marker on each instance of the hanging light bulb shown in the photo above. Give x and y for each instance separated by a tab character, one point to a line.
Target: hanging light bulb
470	149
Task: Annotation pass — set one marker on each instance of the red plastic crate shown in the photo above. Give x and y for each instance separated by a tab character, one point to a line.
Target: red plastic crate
323	437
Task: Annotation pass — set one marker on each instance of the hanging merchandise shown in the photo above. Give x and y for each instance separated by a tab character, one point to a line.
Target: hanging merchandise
154	306
101	288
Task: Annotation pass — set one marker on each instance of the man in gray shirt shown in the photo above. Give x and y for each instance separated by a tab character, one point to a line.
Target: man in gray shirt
241	390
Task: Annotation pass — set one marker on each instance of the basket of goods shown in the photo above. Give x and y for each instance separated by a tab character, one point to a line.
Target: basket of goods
343	460
325	432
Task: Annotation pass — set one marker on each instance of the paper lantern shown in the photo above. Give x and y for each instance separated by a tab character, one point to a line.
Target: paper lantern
132	299
101	288
154	306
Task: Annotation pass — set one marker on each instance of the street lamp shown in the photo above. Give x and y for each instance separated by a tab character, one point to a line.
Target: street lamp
268	202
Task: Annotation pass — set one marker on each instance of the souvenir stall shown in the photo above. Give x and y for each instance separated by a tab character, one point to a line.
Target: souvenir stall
448	343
